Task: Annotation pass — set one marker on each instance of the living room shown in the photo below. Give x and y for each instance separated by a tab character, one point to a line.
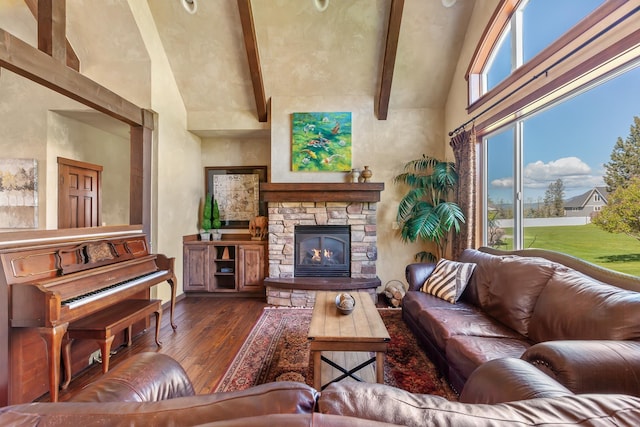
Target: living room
198	124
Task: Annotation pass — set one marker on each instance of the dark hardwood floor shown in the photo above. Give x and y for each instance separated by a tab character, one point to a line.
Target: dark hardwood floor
210	333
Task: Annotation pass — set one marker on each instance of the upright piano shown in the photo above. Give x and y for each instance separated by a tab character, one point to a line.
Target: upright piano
45	286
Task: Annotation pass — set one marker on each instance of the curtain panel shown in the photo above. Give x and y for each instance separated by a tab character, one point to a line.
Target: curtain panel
464	150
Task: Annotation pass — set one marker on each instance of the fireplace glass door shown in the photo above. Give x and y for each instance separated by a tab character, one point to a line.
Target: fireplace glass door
322	251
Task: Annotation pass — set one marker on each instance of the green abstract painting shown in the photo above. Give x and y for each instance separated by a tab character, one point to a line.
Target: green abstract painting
321	142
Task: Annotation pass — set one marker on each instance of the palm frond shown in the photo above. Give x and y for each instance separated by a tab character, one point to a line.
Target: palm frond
424	213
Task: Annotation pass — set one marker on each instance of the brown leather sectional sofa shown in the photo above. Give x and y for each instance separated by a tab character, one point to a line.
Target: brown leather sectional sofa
151	389
578	323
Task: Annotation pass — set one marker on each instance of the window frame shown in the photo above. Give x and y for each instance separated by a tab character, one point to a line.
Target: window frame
495	109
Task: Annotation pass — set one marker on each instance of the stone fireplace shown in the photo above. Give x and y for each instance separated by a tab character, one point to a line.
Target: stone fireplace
306	204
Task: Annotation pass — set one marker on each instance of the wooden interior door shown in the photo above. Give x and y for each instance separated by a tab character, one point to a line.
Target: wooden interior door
79	194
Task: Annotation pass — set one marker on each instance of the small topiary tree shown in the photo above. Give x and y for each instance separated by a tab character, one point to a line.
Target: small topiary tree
205	222
216	223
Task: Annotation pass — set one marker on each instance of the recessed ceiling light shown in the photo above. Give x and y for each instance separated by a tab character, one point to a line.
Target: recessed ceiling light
448	3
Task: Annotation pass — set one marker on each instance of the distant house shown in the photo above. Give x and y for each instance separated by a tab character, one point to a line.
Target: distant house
588	203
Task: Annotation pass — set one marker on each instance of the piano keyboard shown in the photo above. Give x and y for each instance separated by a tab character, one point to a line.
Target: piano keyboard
78	301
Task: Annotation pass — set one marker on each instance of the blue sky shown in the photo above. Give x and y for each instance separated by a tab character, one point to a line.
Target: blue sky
571	141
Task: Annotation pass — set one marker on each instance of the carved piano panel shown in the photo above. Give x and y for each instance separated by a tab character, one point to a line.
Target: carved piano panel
44	287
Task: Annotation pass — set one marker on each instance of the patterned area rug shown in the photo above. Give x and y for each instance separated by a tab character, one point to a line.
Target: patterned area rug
277	350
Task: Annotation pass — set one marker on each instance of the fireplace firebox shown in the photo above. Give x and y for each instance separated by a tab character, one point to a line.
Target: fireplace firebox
322	251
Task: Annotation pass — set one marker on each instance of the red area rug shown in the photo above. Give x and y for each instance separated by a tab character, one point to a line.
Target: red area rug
277	350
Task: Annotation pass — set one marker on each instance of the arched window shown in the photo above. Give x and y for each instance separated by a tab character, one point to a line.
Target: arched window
552	86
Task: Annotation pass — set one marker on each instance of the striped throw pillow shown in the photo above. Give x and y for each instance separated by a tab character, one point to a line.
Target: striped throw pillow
448	279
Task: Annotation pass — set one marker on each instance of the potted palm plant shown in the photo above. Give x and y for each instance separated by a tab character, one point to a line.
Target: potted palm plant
424	212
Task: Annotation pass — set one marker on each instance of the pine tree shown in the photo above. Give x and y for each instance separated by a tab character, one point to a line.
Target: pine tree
554	199
625	159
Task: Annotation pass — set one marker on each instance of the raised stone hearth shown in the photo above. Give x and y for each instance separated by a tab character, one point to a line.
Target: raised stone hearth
301	291
292	204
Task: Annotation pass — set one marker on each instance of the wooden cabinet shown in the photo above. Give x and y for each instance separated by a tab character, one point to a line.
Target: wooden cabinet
224	265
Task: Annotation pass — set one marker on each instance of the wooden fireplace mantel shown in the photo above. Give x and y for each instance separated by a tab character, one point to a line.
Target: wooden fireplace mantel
321	192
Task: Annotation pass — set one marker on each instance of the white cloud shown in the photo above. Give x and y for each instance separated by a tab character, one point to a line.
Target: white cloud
502	182
573	172
566	166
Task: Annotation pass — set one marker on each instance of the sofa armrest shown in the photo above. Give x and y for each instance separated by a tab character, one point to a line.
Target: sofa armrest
417	273
590	366
507	380
145	377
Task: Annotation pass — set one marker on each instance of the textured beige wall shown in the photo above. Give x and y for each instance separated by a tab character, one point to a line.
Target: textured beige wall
383	145
233	151
71	139
32	129
177	175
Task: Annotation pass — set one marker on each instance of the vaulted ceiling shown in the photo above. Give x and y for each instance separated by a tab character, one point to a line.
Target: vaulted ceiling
303	51
294	48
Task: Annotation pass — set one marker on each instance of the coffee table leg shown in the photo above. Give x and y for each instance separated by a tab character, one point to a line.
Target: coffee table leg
317	370
380	367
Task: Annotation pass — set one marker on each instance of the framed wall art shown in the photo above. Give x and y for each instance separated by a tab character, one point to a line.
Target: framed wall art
321	142
18	193
237	190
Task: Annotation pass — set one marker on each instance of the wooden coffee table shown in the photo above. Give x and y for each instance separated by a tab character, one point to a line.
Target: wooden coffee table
361	331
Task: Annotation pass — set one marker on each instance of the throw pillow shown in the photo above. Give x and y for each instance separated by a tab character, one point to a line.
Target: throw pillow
448	279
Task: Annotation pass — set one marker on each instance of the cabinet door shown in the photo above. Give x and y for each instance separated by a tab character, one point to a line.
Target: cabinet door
251	271
196	268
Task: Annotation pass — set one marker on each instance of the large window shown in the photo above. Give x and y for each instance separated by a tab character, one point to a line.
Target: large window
544	159
534	25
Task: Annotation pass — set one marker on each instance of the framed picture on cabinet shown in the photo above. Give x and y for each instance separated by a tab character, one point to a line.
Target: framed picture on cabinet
237	191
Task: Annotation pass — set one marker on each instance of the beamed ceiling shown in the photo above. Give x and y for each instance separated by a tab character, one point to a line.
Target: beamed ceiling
232	56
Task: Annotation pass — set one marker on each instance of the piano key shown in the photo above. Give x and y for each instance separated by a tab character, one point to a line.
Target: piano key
109	290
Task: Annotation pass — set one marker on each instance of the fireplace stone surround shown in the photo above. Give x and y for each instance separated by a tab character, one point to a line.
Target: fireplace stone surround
320	204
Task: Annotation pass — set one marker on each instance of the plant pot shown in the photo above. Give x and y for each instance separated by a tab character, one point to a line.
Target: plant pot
205	237
216	235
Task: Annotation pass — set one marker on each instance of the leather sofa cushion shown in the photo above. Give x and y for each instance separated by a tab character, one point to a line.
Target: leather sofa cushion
574	306
271	398
146	377
379	402
508	380
482	276
298	420
589	366
442	323
513	291
466	353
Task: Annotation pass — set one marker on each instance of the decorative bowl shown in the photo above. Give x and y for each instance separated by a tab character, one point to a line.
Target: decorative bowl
345	303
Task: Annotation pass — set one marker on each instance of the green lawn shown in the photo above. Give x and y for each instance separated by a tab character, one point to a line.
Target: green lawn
614	251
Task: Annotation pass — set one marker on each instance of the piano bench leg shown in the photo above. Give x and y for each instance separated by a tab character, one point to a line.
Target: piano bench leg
128	335
105	348
158	314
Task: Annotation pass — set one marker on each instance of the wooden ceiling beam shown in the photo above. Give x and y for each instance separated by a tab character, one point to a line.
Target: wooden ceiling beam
27	61
51	18
389	58
251	45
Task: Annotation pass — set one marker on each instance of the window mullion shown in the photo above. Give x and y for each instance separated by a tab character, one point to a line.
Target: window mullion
518	186
517	39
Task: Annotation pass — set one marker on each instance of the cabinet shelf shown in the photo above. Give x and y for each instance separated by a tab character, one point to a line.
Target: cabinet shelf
204	262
